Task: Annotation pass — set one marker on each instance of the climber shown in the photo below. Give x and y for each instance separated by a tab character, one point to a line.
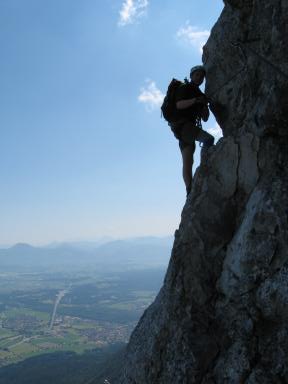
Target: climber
191	106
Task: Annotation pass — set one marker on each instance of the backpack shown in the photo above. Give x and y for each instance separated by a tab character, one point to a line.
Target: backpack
168	108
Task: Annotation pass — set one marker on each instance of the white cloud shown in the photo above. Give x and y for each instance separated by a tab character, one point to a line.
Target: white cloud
131	11
193	36
216	131
151	96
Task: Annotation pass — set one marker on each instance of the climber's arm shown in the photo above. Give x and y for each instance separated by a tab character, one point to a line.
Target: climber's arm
183	104
205	113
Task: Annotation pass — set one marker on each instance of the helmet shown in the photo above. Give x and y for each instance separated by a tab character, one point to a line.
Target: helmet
197	68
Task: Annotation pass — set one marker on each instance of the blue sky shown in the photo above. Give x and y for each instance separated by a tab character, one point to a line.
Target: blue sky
84	152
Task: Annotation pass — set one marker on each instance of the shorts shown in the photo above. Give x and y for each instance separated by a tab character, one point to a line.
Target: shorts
186	132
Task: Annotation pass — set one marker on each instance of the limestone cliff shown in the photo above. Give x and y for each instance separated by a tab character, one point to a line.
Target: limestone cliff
222	313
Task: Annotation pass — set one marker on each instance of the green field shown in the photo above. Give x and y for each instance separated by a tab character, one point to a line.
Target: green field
16	312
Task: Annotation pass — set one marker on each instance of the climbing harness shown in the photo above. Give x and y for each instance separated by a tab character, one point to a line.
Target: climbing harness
198	122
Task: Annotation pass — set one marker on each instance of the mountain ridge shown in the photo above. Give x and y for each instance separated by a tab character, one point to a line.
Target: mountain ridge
140	251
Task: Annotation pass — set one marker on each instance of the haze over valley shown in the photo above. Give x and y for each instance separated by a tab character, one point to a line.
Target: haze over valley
73	300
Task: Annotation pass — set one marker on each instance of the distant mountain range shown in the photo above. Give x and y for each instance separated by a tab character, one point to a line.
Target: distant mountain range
134	252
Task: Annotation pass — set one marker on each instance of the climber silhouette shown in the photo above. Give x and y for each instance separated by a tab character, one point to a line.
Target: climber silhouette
191	106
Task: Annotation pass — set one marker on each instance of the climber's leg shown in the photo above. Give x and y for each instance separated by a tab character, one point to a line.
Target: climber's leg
187	152
206	140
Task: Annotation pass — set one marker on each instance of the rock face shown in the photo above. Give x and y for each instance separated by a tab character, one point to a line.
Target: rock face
222	313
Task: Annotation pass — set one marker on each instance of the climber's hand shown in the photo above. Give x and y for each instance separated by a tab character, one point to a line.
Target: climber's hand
202	100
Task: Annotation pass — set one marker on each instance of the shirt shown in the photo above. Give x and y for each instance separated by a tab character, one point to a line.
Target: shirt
185	92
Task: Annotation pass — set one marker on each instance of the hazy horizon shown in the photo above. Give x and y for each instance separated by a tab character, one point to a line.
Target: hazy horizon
100	240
